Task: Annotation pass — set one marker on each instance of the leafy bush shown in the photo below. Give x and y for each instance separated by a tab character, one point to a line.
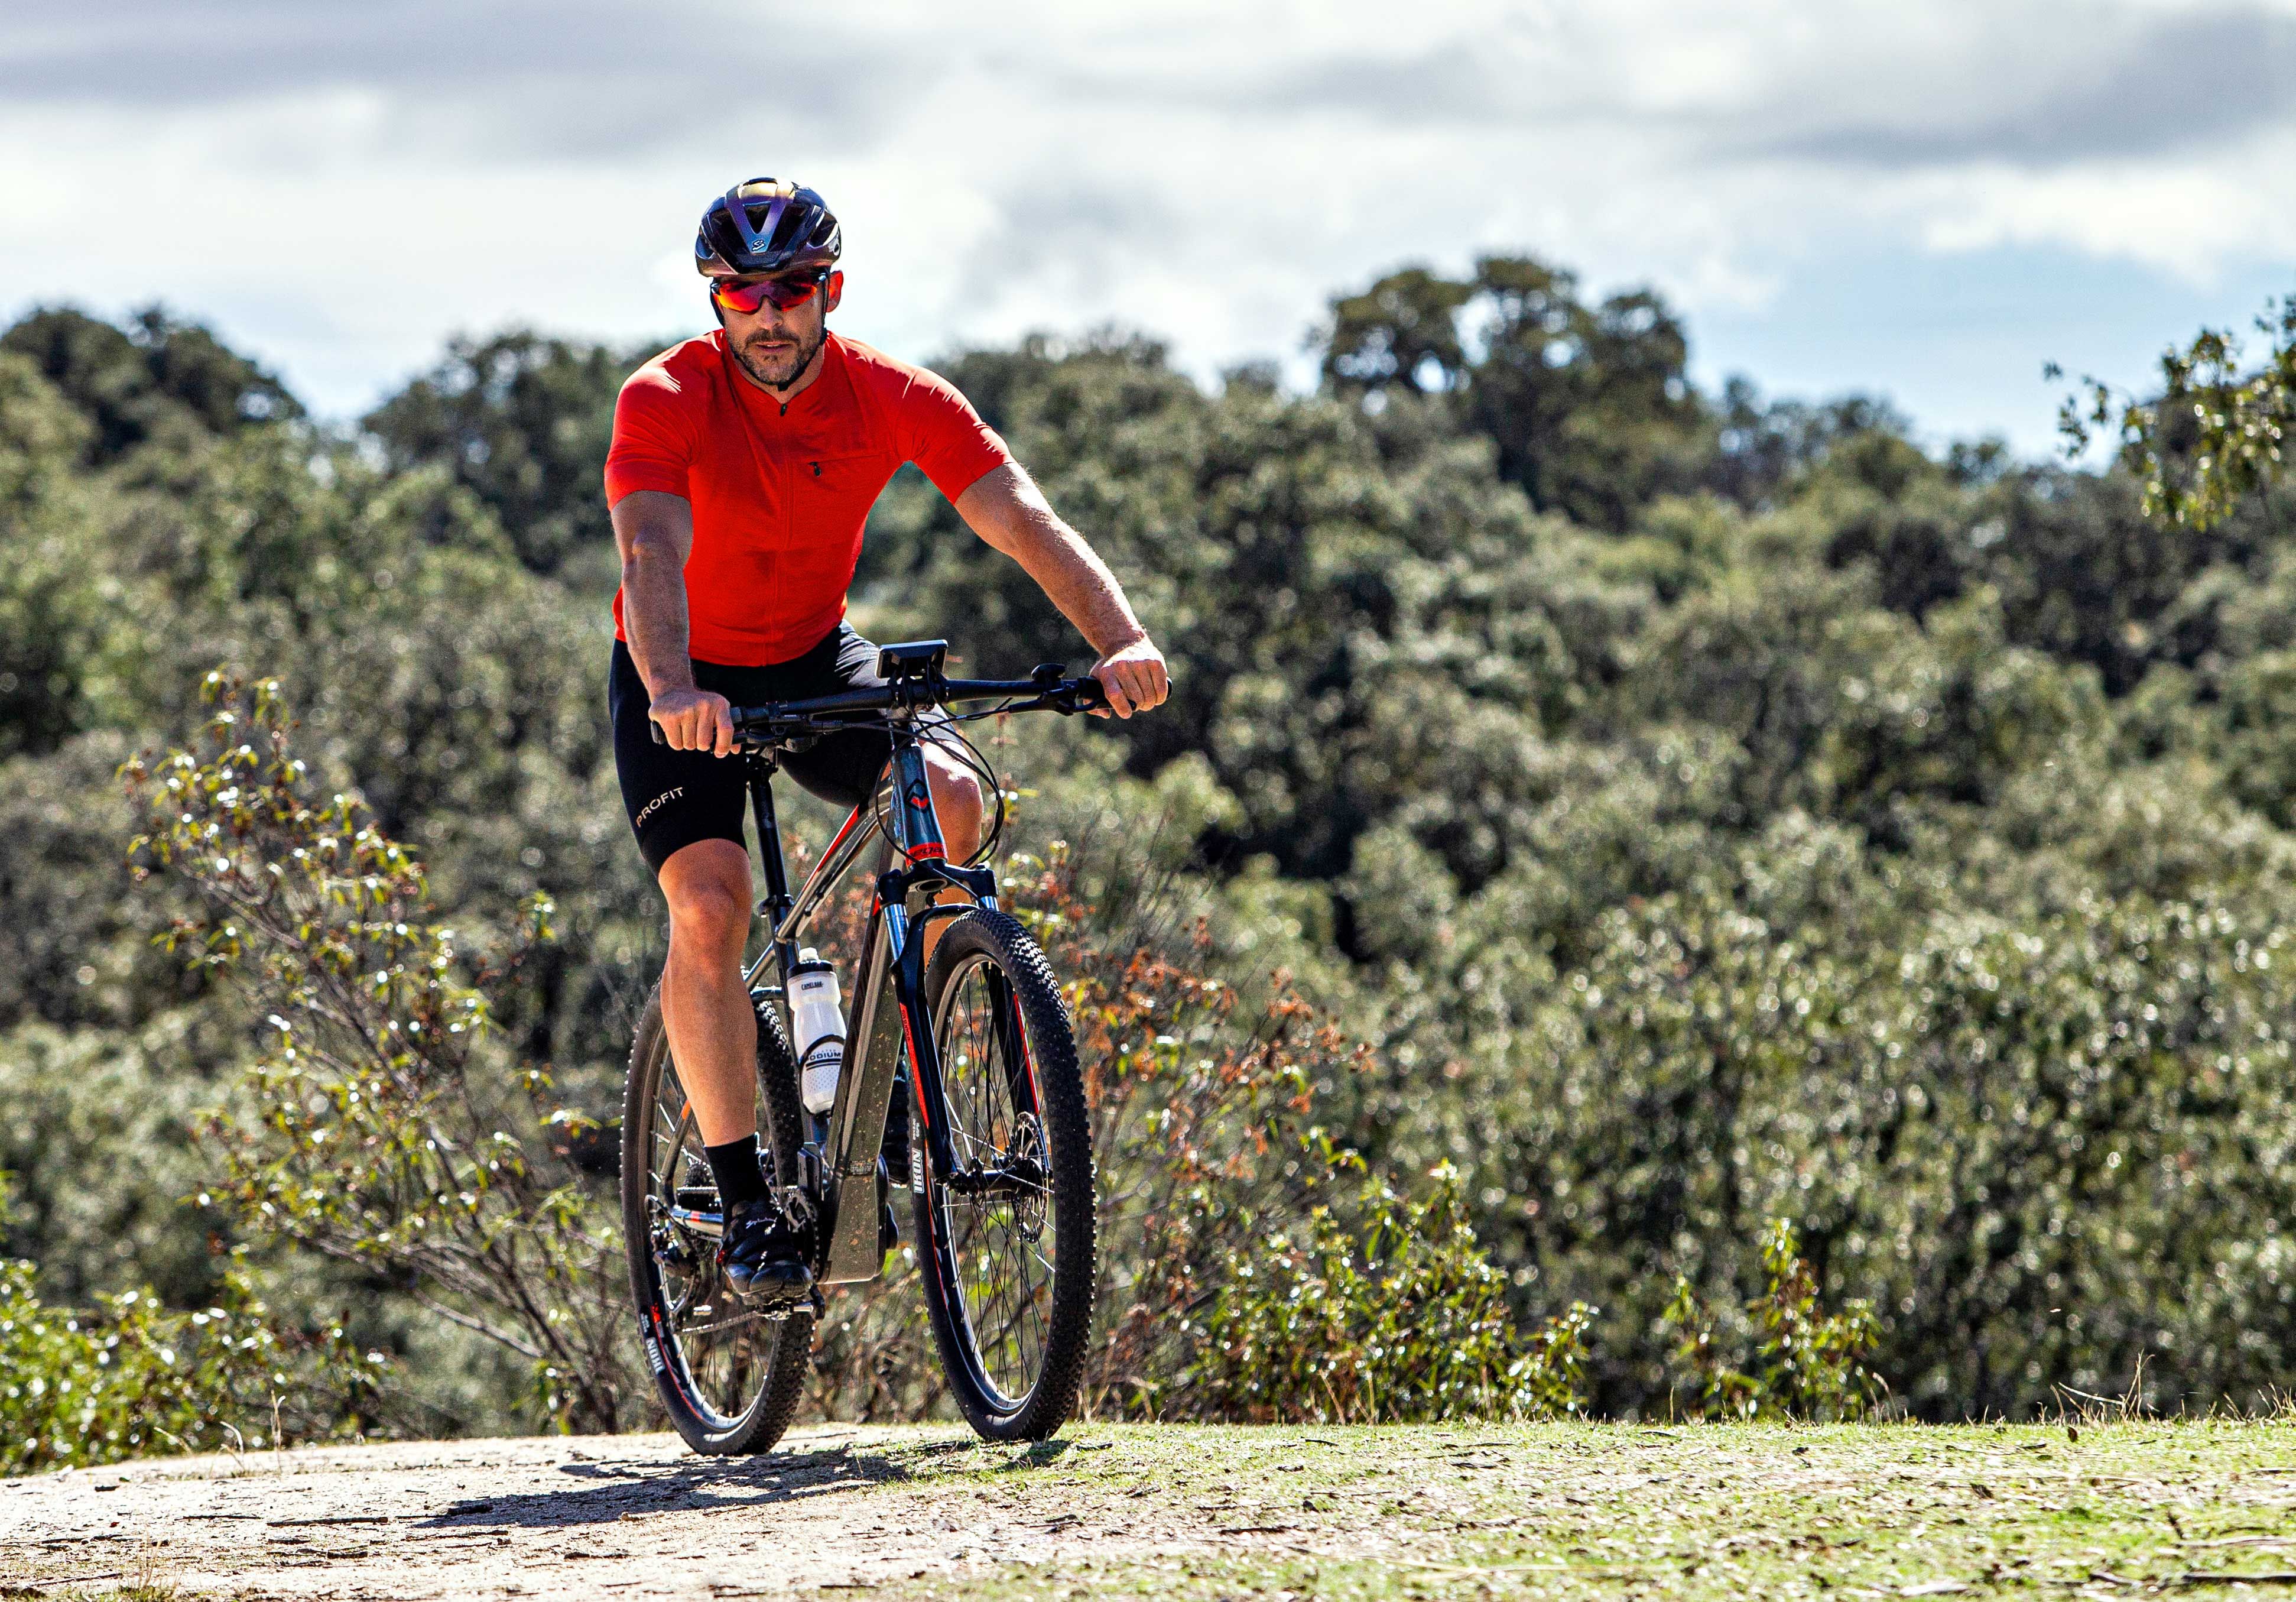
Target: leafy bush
379	1128
1807	1363
1397	1319
130	1379
2214	435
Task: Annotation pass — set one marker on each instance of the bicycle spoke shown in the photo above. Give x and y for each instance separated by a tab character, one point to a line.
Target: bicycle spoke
998	1240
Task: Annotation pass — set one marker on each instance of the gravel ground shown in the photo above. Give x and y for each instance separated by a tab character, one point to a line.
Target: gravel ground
629	1517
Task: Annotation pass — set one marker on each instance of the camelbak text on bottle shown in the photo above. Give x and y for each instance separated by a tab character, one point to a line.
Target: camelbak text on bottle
819	1022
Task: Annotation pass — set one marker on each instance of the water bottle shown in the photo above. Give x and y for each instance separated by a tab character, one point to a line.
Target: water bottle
820	1024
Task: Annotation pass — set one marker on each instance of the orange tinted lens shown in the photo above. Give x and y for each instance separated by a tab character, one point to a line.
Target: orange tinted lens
747	297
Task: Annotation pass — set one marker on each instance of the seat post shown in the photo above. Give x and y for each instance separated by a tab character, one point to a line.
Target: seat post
776	904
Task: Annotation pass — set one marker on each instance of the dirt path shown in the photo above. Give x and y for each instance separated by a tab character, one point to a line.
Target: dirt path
1189	1514
631	1516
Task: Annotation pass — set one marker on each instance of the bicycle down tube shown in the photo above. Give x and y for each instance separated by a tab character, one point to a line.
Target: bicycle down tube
892	968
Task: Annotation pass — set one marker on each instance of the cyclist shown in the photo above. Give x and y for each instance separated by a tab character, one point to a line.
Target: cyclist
742	468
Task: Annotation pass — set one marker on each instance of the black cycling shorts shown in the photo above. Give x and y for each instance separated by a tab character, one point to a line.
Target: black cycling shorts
677	797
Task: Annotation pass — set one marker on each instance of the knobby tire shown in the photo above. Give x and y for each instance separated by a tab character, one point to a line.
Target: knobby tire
978	952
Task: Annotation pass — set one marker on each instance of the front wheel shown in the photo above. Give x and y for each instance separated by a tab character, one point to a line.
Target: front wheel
1006	1241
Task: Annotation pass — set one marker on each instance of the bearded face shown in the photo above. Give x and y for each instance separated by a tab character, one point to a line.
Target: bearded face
776	347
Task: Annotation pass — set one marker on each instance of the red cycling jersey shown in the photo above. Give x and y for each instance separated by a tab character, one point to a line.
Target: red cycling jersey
780	493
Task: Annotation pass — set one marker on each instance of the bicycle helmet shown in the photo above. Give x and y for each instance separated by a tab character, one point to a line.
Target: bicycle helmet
765	226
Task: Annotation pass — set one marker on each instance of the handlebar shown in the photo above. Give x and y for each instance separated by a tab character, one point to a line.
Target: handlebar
1048	689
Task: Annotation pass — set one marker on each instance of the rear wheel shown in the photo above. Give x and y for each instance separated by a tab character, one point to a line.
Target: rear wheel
1006	1243
730	1378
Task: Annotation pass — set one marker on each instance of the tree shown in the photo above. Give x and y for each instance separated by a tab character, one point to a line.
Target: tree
1402	331
1590	406
523	421
155	378
2217	431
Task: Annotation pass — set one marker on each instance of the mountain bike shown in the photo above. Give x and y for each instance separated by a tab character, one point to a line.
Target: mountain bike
977	1044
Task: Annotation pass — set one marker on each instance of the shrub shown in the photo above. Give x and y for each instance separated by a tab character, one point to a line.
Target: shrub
129	1377
1807	1363
376	1122
1397	1319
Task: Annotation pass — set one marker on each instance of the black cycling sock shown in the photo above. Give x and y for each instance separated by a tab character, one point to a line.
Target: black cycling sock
734	1166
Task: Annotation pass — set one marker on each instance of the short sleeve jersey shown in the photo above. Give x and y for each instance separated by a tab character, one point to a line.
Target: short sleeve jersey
780	493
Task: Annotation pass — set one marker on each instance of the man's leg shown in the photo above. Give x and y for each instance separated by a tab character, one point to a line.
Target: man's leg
713	1037
713	1034
962	806
958	800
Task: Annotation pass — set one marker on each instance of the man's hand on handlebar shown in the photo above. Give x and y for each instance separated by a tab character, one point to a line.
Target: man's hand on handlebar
1133	676
692	719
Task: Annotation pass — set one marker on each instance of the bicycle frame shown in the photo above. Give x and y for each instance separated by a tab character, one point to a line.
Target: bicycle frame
841	1154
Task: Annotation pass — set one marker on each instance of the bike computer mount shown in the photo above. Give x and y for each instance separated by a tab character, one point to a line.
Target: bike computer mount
915	660
913	669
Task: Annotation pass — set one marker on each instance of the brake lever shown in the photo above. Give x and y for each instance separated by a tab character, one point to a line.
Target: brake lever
1079	695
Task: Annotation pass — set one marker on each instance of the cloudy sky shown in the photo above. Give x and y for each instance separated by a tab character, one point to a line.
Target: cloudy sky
1928	199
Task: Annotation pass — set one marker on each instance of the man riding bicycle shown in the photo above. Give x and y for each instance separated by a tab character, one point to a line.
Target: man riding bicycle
742	470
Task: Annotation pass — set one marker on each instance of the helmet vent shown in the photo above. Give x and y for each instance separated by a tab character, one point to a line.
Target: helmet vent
766	226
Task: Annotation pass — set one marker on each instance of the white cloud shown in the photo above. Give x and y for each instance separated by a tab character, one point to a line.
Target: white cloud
2184	218
340	186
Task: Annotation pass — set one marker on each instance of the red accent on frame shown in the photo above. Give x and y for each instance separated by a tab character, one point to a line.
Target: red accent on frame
1028	1057
917	1084
916	1076
852	821
950	1297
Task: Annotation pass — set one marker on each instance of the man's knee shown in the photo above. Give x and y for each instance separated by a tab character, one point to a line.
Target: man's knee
707	885
958	802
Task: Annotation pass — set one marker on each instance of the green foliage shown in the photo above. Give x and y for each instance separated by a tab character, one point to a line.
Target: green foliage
1589	407
155	379
379	1126
2215	434
129	1377
98	1138
1993	1130
1398	1317
1807	1363
1671	810
523	422
51	627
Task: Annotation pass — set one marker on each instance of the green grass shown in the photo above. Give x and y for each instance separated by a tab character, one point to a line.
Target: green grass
1608	1510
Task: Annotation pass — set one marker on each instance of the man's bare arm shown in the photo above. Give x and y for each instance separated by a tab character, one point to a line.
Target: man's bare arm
654	532
1006	508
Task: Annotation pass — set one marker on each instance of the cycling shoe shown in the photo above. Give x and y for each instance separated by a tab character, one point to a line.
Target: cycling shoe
763	1256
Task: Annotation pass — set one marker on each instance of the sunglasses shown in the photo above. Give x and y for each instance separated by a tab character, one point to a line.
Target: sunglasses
748	295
